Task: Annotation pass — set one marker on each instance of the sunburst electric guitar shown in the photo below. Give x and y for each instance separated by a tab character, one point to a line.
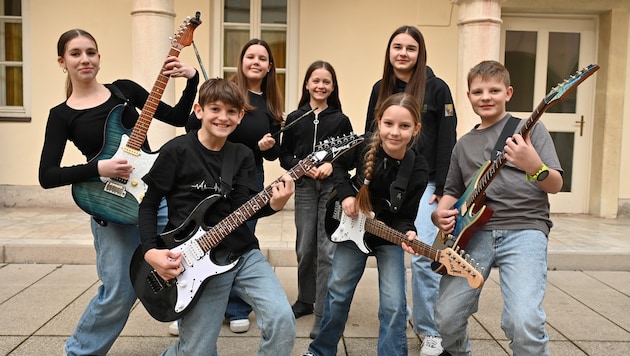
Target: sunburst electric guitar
473	214
169	300
340	227
117	199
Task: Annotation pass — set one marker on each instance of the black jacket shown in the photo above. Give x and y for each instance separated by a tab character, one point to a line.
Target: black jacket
299	140
439	122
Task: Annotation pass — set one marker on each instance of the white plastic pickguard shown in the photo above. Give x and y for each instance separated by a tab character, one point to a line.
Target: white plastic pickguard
351	229
141	164
196	270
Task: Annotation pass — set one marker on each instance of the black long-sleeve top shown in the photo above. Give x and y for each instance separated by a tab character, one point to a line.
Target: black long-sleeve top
85	128
299	140
385	172
439	126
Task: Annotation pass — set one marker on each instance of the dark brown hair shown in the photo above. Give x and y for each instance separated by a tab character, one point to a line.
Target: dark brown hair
333	98
61	49
417	82
269	84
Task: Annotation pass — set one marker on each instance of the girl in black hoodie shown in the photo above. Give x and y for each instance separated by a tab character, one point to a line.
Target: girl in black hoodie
320	91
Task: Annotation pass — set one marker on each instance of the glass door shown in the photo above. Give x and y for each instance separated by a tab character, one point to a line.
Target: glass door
540	53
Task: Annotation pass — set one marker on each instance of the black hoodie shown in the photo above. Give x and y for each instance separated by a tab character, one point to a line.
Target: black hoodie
439	121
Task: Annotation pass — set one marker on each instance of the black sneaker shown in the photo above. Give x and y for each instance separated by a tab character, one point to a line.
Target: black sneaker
300	309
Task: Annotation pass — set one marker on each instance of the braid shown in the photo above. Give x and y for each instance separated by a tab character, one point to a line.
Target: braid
363	196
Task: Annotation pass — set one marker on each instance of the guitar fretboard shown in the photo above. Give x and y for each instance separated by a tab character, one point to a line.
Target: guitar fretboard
217	233
381	230
140	129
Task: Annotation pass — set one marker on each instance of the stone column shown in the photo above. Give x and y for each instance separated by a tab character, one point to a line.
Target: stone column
152	23
479	25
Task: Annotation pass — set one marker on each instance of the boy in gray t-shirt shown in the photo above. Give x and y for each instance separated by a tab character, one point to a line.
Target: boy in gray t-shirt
515	237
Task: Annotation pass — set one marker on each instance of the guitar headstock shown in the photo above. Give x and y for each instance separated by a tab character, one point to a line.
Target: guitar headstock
331	148
456	265
184	35
569	84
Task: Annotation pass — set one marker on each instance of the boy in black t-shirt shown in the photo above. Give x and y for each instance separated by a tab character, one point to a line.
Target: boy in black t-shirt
189	169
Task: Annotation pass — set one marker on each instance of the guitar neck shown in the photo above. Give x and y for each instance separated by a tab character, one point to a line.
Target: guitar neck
140	129
494	168
221	230
385	232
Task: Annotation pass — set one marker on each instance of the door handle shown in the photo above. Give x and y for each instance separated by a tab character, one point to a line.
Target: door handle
581	122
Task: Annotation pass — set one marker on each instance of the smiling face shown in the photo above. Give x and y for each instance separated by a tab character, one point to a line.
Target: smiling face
81	59
218	121
256	64
403	55
488	98
320	85
397	127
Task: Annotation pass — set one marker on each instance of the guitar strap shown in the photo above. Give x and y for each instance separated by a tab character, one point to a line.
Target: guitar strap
114	89
227	168
399	186
508	130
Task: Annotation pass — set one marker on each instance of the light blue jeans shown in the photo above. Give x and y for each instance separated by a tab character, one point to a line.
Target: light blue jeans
521	257
424	282
106	314
348	267
254	281
314	249
237	309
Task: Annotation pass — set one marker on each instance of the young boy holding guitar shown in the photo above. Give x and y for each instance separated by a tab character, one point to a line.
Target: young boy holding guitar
514	239
190	169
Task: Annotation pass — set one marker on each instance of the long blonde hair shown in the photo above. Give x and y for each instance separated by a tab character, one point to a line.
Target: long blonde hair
406	101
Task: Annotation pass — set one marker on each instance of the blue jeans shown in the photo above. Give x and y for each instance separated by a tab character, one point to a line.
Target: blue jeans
314	249
424	282
237	309
254	281
348	266
106	314
521	256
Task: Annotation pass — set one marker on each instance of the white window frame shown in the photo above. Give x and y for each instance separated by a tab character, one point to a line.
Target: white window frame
291	84
22	113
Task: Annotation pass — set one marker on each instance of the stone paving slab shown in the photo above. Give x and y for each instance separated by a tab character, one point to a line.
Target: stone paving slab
40	305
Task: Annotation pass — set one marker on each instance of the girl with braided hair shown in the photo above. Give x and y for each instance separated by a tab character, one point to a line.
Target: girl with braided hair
384	161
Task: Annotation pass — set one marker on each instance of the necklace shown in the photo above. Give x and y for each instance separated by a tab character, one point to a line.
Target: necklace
256	92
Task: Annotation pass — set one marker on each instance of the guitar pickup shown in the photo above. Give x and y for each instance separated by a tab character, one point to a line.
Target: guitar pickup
157	283
115	188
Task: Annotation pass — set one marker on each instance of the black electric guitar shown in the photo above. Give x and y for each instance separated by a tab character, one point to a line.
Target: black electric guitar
117	199
340	227
473	214
169	300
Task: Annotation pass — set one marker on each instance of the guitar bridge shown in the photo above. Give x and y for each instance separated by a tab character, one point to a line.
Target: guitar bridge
157	283
115	188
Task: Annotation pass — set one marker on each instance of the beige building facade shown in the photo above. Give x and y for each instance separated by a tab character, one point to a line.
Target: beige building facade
593	131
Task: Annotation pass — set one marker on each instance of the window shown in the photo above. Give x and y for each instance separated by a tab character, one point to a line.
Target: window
269	20
11	62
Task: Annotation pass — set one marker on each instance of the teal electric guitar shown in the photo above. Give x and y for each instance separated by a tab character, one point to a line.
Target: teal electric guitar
117	199
473	214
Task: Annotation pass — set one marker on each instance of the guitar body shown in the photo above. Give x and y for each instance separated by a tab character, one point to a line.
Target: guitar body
469	220
170	300
115	199
353	229
340	227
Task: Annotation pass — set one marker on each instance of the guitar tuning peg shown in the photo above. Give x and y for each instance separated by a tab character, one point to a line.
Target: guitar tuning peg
467	257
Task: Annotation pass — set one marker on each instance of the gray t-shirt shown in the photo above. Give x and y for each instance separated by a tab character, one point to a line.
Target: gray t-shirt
517	203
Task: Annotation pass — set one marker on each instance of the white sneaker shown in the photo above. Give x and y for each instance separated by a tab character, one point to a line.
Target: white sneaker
431	346
239	325
172	328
